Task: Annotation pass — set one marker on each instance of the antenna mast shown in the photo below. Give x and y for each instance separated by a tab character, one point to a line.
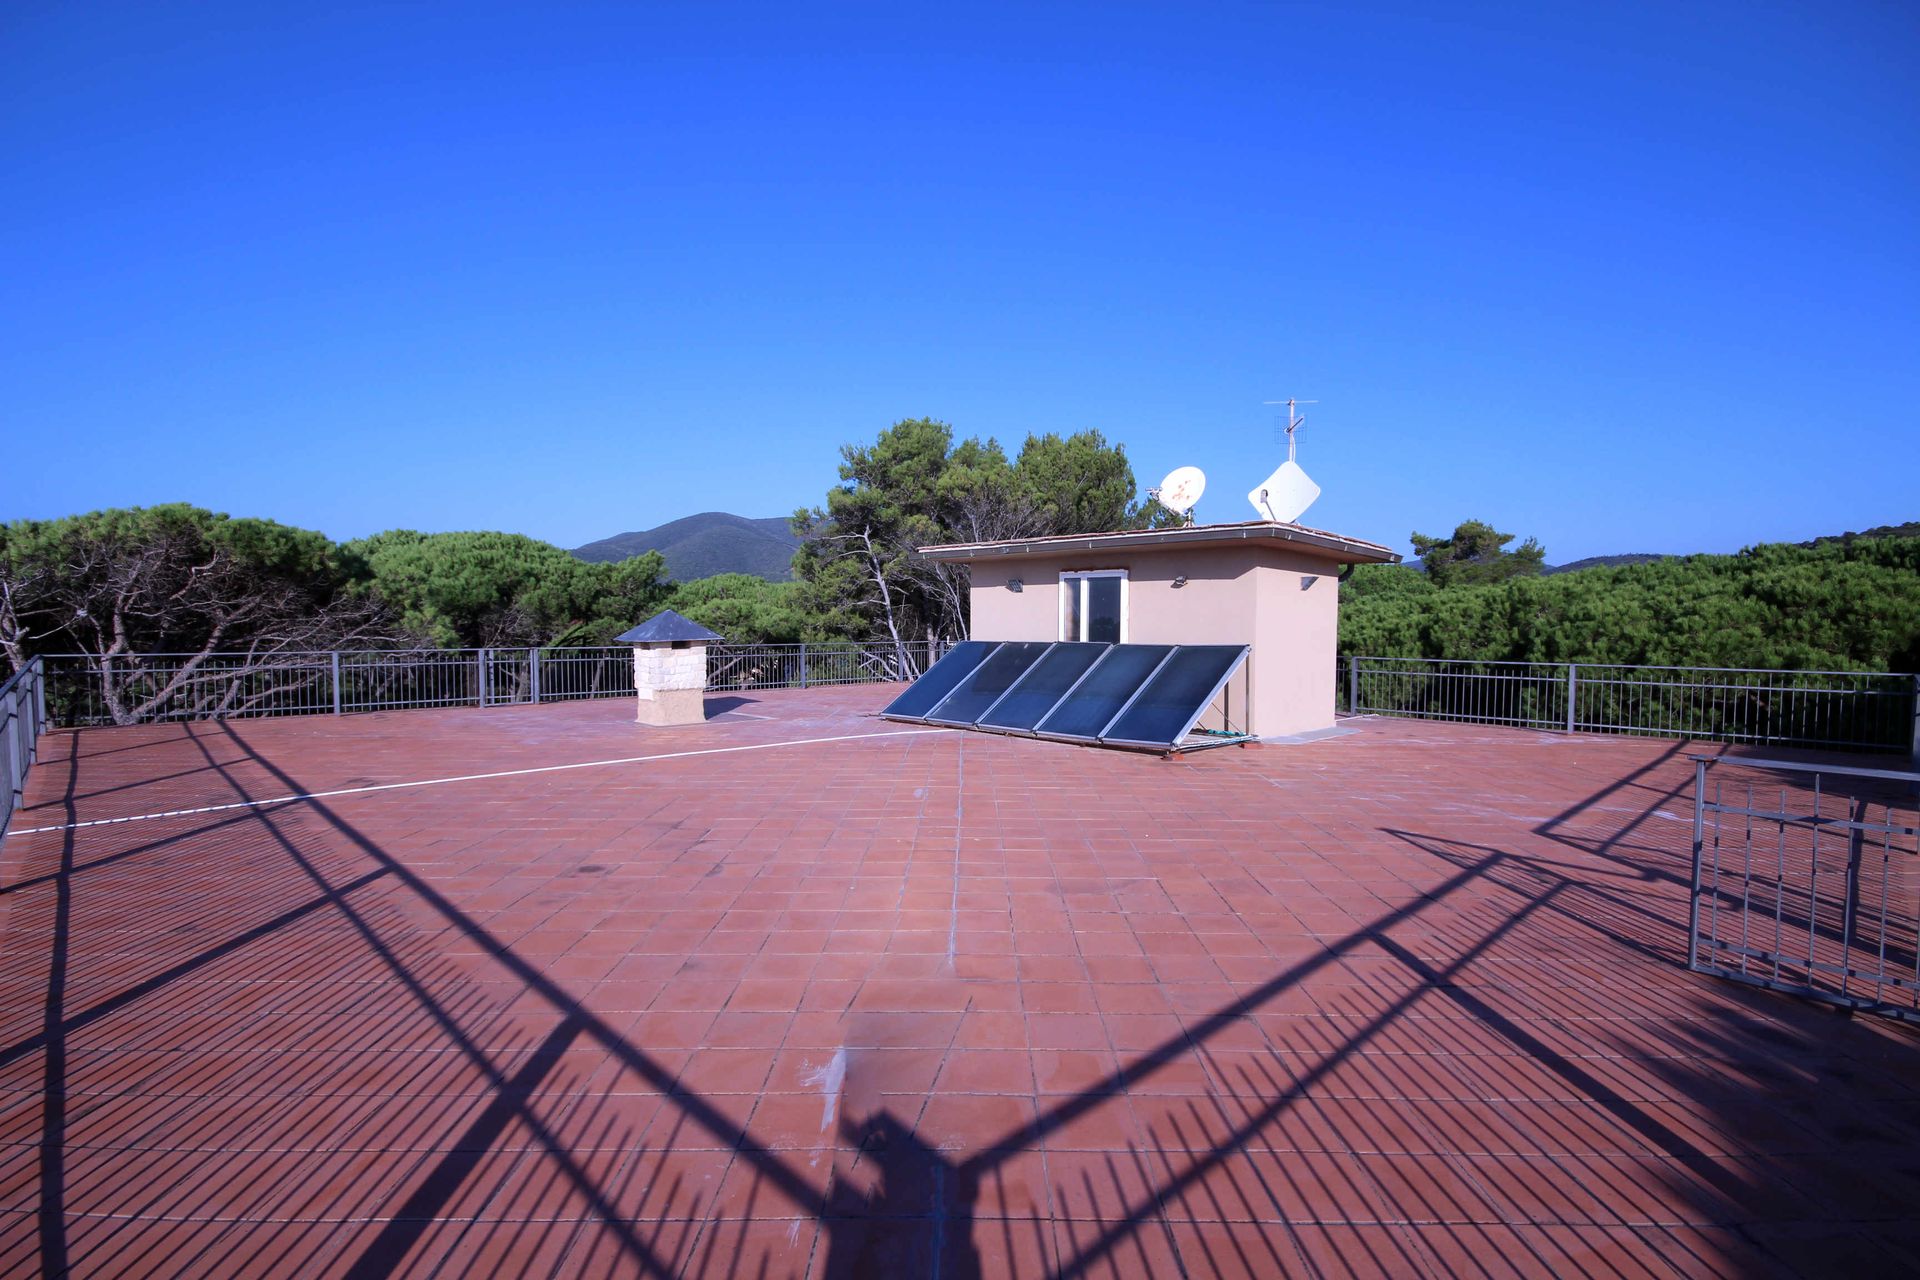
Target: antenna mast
1295	420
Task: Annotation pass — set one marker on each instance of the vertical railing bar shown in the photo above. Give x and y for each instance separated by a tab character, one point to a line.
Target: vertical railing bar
1886	867
1779	886
1813	880
1713	902
1746	881
1699	833
1854	844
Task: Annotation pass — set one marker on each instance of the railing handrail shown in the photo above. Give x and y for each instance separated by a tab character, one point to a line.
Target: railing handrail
427	650
1562	665
6	686
921	643
1802	766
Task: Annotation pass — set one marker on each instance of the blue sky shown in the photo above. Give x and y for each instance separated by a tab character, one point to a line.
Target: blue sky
1622	277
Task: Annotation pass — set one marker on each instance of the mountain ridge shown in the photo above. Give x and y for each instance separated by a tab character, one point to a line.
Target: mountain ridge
699	546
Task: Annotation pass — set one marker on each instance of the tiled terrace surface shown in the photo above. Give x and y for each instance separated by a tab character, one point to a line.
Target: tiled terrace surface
1405	1002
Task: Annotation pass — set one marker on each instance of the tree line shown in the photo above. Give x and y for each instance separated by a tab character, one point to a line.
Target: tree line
176	579
1839	605
179	580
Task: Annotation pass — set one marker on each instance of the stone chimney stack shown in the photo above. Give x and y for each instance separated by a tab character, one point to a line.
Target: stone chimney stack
670	669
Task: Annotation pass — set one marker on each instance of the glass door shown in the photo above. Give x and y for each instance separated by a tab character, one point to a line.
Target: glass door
1093	606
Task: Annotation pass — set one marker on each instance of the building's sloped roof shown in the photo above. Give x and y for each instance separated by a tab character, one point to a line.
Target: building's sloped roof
1314	541
665	627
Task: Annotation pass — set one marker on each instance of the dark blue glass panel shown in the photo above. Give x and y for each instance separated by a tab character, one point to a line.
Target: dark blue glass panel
1105	690
1043	685
1103	609
925	693
1176	695
983	687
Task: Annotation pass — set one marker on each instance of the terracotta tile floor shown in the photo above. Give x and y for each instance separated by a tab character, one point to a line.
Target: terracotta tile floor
1405	1002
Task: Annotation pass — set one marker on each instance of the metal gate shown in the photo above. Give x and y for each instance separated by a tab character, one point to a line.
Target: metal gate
506	677
1806	879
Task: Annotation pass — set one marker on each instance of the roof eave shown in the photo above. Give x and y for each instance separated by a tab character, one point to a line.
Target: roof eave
1312	541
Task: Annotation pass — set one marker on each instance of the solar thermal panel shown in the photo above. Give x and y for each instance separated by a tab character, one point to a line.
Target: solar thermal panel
1104	693
1045	684
1123	695
940	679
1172	701
986	683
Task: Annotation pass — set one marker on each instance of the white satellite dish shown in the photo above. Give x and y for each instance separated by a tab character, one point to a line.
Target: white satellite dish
1285	495
1181	489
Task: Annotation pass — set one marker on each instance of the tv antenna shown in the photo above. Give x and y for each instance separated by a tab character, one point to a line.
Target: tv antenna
1295	420
1286	494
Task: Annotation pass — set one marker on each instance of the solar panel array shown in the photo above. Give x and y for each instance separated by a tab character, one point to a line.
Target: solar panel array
1123	695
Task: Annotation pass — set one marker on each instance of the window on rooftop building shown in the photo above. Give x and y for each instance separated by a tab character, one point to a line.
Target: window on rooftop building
1093	606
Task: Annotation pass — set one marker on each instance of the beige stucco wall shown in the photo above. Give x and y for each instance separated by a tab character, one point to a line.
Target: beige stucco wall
1283	603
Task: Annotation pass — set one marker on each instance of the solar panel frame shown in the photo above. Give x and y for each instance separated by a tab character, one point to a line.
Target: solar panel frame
1028	731
941	713
1233	668
1118	649
891	712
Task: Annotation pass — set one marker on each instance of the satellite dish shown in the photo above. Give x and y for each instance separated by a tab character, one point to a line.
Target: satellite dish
1285	495
1182	488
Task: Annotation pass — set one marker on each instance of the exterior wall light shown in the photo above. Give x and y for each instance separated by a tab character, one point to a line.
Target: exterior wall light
1016	585
1180	581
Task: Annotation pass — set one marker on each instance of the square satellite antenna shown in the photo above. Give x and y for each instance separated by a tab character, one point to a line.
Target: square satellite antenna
1285	495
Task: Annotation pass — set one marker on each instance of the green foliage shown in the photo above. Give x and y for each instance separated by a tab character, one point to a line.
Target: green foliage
1077	483
1475	553
1835	606
1371	580
503	589
914	486
750	610
168	579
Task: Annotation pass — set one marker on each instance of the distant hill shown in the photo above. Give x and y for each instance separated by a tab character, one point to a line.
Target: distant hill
1911	529
1604	562
709	543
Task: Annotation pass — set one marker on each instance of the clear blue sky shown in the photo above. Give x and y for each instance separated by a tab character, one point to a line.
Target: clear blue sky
1624	277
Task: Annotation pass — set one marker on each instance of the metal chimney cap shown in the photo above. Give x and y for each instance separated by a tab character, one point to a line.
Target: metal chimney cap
666	627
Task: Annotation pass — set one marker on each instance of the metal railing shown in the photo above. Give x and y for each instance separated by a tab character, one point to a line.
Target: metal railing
1872	711
23	717
803	666
1808	881
1856	710
83	690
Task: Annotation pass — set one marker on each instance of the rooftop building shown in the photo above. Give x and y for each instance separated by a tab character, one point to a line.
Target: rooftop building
1273	587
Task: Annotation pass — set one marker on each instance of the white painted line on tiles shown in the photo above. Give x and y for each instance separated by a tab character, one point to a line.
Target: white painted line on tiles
469	777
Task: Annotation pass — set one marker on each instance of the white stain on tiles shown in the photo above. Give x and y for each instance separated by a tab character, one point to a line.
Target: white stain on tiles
828	1080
